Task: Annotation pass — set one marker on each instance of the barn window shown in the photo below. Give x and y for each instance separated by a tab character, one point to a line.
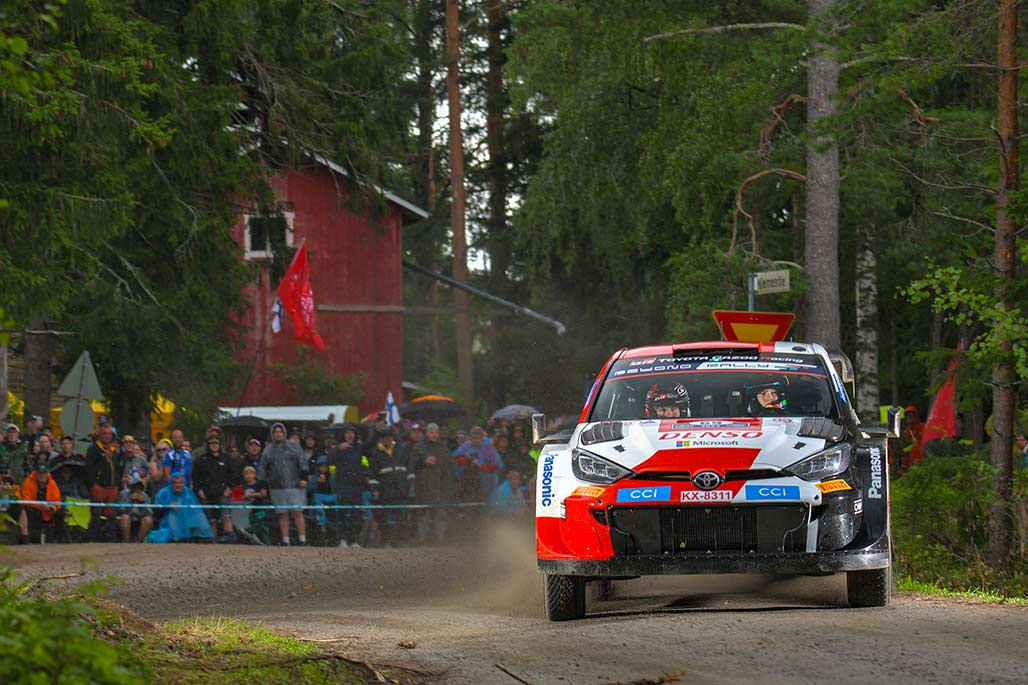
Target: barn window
265	233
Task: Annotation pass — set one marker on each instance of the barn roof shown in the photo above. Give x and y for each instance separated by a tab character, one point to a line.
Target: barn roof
406	206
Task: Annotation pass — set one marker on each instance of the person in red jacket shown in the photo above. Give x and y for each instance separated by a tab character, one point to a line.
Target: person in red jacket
36	520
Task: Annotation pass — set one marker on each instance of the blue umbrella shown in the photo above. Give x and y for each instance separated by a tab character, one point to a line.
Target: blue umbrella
515	411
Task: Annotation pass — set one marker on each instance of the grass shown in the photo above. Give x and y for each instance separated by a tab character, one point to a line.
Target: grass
220	651
908	584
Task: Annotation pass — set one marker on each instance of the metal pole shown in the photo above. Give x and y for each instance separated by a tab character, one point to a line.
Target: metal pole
751	282
516	308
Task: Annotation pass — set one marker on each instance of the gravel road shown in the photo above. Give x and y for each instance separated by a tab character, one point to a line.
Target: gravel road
474	612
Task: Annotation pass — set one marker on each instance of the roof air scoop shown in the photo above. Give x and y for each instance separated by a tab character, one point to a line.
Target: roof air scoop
604	431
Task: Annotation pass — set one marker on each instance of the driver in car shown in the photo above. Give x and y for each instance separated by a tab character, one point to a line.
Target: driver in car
771	400
667	401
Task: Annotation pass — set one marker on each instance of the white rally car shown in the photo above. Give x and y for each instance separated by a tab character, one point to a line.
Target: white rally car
715	457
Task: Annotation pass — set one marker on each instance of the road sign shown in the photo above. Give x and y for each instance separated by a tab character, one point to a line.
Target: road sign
77	417
769	282
753	326
81	381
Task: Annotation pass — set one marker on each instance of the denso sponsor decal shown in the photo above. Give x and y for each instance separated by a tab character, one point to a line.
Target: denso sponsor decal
759	492
700	434
661	493
546	493
875	491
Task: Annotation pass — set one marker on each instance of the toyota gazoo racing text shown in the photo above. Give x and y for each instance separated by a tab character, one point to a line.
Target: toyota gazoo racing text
716	457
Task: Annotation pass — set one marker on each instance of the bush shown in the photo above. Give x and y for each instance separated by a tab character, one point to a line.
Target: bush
940	515
53	641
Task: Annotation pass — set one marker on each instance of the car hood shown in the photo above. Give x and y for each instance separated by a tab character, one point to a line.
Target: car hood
691	445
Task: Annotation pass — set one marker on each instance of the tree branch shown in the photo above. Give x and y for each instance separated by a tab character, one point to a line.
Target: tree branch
725	29
739	210
943	186
777	111
919	114
963	219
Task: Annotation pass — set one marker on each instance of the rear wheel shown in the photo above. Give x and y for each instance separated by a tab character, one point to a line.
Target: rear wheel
871	588
565	597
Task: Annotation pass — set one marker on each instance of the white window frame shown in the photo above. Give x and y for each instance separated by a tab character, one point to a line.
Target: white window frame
251	254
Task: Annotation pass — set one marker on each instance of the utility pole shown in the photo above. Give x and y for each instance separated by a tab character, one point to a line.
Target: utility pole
462	320
1000	513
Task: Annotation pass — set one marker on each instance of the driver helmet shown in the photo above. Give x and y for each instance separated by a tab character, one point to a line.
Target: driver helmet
781	403
667	395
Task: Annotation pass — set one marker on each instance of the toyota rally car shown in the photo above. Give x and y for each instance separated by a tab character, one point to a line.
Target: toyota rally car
715	457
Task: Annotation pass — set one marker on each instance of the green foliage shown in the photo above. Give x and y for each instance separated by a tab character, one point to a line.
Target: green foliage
940	514
311	383
53	641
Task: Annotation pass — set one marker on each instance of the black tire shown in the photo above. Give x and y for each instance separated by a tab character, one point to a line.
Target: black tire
565	597
869	588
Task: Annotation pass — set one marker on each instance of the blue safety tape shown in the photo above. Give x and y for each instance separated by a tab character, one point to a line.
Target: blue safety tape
453	505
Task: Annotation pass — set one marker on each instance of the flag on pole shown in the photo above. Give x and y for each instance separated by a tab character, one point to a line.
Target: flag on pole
942	417
297	298
276	316
392	413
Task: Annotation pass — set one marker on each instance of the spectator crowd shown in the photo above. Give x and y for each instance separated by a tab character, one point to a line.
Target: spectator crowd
351	485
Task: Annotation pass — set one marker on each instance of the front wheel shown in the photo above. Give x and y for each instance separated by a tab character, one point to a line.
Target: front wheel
565	597
871	588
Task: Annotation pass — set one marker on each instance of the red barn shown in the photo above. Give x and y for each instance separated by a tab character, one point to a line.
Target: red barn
356	273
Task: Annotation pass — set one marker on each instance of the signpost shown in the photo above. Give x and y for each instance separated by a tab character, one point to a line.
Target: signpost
766	283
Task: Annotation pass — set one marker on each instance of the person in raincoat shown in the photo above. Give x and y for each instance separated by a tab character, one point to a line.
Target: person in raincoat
179	523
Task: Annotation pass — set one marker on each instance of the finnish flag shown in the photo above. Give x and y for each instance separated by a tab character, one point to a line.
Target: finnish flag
392	413
276	316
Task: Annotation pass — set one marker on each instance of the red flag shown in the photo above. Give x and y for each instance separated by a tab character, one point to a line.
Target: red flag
297	298
942	417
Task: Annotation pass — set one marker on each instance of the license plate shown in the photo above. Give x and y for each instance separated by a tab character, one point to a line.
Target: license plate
706	496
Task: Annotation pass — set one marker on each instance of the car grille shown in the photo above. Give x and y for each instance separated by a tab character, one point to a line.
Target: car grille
700	529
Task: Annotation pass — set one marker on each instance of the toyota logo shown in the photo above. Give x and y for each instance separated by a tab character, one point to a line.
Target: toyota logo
706	480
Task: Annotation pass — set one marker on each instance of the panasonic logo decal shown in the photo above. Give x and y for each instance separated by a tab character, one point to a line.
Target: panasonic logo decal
546	493
875	491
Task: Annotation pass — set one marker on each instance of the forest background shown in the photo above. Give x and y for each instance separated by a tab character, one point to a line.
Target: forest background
627	165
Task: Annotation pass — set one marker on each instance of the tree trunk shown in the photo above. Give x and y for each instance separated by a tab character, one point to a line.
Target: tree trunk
462	320
496	108
3	382
867	326
821	253
999	552
39	353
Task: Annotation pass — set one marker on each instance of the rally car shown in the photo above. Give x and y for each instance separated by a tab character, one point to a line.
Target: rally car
715	457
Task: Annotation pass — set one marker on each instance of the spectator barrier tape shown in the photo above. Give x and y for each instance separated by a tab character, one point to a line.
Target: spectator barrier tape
130	505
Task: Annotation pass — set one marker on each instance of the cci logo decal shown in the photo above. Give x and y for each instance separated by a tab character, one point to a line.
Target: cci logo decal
655	494
757	492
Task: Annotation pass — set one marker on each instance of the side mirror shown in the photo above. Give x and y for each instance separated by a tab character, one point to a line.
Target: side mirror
891	429
541	437
538	428
844	367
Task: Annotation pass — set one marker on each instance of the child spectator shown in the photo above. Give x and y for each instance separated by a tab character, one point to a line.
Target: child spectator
135	465
319	490
509	496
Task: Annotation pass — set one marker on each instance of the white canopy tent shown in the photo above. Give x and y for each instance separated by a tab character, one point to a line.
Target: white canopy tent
321	413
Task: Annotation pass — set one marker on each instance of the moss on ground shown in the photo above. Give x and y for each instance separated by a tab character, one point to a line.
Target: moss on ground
221	651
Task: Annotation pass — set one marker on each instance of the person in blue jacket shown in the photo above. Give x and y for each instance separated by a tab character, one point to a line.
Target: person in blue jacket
179	522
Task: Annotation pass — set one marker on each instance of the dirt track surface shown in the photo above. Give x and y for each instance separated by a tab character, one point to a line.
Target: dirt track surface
468	609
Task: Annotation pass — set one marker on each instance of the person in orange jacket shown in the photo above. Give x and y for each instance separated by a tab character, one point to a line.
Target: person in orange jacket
37	519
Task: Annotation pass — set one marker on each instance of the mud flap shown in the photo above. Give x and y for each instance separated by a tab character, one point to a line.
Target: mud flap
872	466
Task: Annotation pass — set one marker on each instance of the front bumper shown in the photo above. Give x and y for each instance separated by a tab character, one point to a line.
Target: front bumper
797	563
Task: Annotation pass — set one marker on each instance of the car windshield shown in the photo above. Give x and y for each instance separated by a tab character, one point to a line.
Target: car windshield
716	386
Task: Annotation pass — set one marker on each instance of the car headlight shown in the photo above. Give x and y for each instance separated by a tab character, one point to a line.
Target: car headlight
830	462
595	469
